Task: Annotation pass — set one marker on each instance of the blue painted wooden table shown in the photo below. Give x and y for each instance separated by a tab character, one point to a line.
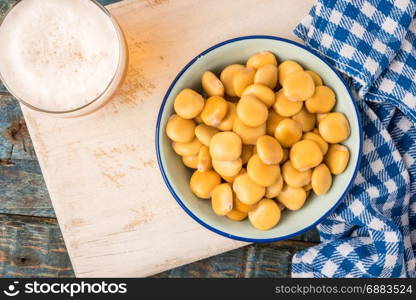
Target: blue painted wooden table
31	243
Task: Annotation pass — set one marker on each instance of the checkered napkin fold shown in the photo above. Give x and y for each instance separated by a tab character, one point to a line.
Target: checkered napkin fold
373	232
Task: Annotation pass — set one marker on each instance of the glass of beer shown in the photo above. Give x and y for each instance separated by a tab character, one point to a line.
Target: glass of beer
61	57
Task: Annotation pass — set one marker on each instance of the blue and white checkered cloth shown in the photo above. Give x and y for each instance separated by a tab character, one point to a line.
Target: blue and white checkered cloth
373	232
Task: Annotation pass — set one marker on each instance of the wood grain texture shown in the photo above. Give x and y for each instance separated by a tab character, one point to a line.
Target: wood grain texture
253	261
4	7
32	248
99	175
15	142
23	190
25	194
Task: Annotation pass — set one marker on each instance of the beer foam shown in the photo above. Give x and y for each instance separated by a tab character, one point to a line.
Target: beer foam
58	55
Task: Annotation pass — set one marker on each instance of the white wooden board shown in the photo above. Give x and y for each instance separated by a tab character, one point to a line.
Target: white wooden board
116	215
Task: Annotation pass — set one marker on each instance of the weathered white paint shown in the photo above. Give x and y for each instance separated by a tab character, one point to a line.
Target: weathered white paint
116	215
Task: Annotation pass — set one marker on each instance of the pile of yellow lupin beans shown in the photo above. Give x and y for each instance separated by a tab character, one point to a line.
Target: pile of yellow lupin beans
256	151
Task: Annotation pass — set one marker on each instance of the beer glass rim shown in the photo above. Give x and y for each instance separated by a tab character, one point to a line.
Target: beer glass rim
121	41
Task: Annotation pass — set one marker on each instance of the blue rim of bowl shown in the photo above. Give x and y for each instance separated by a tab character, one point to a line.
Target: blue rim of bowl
177	198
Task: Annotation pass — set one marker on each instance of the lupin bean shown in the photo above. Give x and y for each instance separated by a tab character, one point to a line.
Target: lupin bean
322	101
241	206
204	159
222	199
269	150
288	132
286	68
284	107
214	111
188	104
265	215
274	190
236	215
272	122
321	179
261	59
334	128
204	133
243	79
247	190
231	179
227	168
267	75
251	111
225	146
187	149
249	135
228	121
298	86
306	119
337	158
212	85
202	183
191	161
262	92
292	198
227	76
305	155
180	130
262	174
317	139
294	177
315	77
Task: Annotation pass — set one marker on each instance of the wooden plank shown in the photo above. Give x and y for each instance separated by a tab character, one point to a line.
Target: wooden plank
21	177
15	142
108	2
230	264
25	193
32	247
3	90
125	228
41	234
311	235
23	190
253	261
4	7
271	260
